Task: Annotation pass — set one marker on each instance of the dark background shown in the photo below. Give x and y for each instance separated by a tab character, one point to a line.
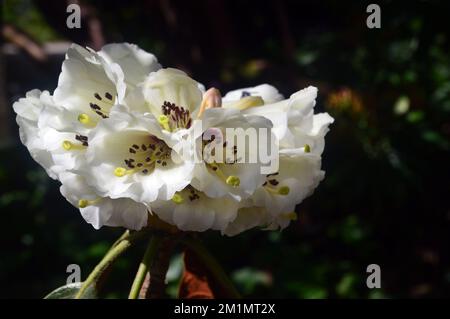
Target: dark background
385	199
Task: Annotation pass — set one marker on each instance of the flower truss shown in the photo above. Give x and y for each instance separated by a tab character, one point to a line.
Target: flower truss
129	139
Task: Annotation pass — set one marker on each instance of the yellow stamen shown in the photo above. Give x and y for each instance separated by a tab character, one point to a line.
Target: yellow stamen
85	119
247	102
283	190
233	181
230	180
120	171
68	145
177	198
307	148
164	121
290	216
83	203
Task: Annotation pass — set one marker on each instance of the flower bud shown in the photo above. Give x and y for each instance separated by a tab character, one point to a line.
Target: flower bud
211	99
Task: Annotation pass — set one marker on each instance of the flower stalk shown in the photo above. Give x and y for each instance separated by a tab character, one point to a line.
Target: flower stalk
118	248
154	286
144	266
122	237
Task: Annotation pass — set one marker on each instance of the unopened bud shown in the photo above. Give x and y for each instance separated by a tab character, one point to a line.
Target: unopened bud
211	99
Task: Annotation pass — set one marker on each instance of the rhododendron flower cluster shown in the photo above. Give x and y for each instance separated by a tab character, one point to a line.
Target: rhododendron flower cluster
123	136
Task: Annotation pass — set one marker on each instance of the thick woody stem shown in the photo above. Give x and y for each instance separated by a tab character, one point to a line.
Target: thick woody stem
213	266
154	284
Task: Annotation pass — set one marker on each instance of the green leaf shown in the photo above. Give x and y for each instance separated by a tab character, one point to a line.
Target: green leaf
415	117
249	279
345	286
70	290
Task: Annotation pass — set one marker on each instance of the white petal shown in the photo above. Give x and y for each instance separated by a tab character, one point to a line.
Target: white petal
29	135
52	140
165	85
109	145
121	212
298	171
314	136
31	106
304	100
267	92
28	110
276	113
212	183
84	76
247	218
297	112
136	63
199	214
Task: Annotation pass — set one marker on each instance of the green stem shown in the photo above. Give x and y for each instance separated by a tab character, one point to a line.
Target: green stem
122	237
213	267
118	248
144	266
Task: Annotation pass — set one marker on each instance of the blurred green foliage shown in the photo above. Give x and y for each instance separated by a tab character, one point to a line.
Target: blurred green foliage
24	15
385	196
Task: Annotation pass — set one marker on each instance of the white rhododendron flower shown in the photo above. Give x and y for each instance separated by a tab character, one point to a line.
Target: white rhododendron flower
294	121
233	172
301	136
128	138
55	128
163	92
131	156
193	210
